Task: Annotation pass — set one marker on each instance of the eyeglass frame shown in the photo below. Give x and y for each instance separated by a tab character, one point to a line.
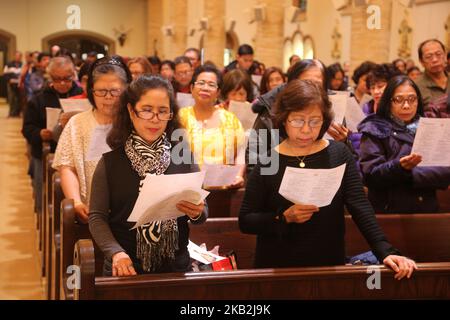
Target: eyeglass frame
402	103
201	84
106	91
305	122
64	80
138	114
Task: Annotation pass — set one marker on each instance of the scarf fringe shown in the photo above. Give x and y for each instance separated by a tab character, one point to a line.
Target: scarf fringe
153	254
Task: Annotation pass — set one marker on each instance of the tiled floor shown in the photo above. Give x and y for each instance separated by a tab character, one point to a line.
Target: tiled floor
19	257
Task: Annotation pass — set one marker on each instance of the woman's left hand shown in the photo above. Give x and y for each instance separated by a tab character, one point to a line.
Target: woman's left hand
193	211
338	132
402	266
238	183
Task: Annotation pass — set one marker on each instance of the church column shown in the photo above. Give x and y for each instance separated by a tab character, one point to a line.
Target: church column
269	34
215	38
155	22
172	13
369	41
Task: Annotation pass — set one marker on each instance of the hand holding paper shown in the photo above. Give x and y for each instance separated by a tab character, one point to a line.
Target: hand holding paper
299	213
160	195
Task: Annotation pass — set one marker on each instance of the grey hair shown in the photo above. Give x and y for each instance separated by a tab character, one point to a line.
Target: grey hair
109	68
60	63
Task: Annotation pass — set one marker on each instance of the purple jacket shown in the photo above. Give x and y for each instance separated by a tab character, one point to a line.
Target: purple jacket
393	189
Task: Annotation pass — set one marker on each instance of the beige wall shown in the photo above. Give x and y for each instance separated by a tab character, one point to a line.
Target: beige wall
427	21
320	22
32	20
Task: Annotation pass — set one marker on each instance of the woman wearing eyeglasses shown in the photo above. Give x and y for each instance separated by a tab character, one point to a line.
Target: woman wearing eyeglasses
142	144
84	135
396	184
216	135
302	234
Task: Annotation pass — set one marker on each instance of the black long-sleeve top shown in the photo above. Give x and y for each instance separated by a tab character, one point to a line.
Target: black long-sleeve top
319	241
35	116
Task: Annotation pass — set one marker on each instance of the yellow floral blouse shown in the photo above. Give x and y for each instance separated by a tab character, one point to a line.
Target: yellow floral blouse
213	145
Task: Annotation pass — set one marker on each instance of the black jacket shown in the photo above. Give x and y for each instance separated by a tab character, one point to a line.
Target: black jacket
35	118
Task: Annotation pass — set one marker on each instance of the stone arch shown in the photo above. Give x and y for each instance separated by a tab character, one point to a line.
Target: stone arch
79	35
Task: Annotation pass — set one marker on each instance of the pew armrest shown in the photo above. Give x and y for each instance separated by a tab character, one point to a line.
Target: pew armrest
84	280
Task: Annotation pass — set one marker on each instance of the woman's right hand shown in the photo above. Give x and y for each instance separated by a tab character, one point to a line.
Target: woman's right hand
122	265
411	161
299	213
82	212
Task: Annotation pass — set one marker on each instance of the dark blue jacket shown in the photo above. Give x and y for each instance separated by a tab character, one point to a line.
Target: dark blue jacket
393	189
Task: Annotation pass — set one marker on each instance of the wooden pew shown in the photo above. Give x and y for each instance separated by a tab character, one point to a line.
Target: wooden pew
432	280
444	200
57	197
225	202
48	218
41	212
424	237
70	232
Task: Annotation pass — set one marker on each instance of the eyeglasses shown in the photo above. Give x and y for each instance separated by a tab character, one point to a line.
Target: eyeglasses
299	123
61	80
429	57
103	92
400	100
209	85
149	115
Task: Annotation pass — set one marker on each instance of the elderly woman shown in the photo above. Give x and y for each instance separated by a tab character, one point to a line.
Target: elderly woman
141	145
302	234
307	69
74	157
396	184
215	134
139	66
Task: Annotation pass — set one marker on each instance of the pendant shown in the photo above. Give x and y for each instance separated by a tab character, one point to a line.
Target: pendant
302	164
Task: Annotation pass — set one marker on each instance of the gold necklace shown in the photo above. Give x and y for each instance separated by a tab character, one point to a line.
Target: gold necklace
302	159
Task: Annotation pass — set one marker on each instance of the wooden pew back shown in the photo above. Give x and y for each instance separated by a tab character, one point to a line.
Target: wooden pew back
57	197
47	221
225	202
444	200
432	280
225	233
423	237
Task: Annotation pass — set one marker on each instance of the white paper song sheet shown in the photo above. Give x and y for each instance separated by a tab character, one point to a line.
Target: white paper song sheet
75	105
339	102
243	111
98	145
219	175
311	186
52	117
432	142
354	114
185	100
257	79
160	193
